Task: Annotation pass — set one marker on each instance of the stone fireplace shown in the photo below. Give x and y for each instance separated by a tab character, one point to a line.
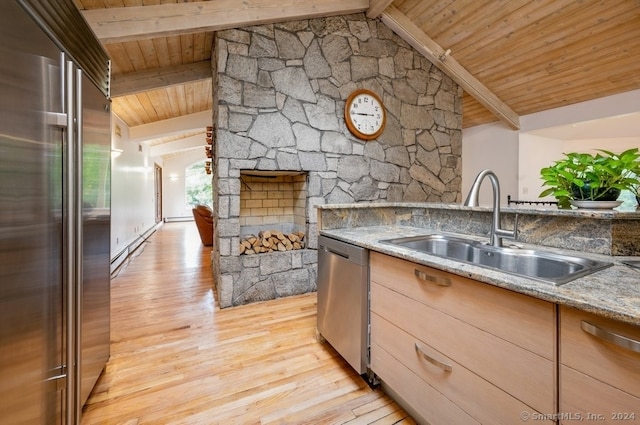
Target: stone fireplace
279	98
273	200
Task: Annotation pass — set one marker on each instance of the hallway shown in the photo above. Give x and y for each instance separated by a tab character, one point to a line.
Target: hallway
176	358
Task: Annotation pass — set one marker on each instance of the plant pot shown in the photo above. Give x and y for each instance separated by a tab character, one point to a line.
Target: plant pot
586	193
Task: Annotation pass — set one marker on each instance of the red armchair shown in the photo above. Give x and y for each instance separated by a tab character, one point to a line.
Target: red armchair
203	216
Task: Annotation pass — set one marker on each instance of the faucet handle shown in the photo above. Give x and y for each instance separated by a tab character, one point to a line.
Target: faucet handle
511	234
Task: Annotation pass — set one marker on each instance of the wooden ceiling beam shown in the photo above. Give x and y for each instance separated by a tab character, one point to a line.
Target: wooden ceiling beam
160	78
120	24
441	58
197	141
171	127
377	7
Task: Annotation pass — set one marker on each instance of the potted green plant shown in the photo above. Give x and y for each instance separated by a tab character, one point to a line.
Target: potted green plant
591	177
635	189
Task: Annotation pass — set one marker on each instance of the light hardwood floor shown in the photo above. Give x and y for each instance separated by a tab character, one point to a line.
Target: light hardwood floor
176	358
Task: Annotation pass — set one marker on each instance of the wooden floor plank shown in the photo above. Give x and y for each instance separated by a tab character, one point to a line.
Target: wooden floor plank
176	358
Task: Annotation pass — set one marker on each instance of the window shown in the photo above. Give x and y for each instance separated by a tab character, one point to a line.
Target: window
198	186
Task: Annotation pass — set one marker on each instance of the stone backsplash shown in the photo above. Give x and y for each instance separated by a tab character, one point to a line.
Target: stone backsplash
281	93
608	233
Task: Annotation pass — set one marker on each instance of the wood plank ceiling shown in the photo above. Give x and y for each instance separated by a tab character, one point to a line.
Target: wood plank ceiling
513	57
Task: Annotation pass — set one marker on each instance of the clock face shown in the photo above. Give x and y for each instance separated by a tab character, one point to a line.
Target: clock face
365	114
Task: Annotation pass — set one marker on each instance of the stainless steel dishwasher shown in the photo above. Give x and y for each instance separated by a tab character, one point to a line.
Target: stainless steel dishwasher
343	300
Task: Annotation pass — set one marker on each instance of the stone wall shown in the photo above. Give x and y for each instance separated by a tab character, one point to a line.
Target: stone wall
281	94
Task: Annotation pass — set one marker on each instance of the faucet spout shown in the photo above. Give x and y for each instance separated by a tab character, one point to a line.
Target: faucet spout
473	200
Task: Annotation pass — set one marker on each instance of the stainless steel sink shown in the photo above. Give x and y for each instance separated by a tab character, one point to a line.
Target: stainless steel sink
541	265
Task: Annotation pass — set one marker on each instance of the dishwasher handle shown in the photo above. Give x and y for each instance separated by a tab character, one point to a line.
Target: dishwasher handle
343	250
332	251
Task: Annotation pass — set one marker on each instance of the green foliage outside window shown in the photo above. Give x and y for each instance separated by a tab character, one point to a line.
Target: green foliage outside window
198	185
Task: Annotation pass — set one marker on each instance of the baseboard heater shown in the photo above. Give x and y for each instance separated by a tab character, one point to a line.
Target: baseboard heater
119	259
177	219
122	256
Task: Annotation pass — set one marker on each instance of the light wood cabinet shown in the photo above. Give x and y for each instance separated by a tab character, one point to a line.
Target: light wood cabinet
599	380
460	351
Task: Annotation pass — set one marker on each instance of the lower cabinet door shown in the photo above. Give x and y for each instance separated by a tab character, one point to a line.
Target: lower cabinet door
441	390
599	376
525	375
431	405
588	344
588	400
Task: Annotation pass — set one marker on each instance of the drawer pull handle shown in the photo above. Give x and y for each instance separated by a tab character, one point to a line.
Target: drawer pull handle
440	281
444	366
612	337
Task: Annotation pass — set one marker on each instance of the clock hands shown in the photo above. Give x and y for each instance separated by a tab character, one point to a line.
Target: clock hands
361	113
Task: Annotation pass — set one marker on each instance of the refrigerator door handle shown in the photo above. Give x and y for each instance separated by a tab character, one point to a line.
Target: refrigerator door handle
56	119
72	408
78	278
59	378
69	244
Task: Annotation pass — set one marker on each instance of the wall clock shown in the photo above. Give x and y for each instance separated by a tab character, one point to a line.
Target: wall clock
364	114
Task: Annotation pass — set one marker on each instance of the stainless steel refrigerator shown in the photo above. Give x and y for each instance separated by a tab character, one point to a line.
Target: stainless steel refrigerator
54	212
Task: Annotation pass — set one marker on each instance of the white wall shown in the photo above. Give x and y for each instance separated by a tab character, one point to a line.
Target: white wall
518	156
616	145
132	189
556	151
536	152
495	147
604	107
174	203
132	174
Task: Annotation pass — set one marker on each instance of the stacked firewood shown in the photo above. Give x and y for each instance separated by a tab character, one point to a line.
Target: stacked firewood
270	241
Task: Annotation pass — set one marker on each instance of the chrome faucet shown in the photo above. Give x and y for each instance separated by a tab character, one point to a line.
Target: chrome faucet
497	233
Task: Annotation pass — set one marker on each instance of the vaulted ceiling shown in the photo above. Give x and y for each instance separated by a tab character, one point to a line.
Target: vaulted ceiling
512	57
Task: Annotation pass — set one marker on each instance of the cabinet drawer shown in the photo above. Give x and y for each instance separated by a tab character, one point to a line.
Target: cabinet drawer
594	401
526	375
492	309
432	406
476	396
605	361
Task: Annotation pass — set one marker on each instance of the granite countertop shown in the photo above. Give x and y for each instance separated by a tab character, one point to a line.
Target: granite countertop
613	292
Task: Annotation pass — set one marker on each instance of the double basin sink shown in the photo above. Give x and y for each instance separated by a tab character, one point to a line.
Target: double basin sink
549	267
